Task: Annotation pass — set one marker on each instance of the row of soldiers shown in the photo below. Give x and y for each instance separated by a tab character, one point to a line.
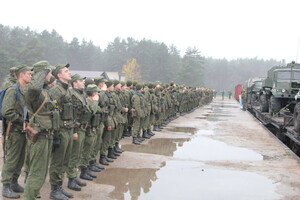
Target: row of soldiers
54	119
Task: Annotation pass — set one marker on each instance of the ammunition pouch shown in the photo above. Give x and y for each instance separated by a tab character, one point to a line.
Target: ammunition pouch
55	120
86	116
96	120
67	111
104	116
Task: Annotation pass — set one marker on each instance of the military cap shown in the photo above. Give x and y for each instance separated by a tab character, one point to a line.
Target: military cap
92	88
12	70
59	67
122	83
134	83
88	81
172	83
138	86
52	79
151	85
99	79
116	82
109	83
41	65
76	77
22	68
129	83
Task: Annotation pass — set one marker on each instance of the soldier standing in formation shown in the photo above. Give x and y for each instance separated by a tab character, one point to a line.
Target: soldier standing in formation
69	120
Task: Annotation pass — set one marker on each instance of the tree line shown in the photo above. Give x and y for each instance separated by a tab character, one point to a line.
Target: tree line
154	60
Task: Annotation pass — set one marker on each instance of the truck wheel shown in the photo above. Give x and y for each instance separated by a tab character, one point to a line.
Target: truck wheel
263	103
275	105
296	149
253	100
297	118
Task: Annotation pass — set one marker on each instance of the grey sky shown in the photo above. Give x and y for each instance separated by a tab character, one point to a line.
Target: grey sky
218	28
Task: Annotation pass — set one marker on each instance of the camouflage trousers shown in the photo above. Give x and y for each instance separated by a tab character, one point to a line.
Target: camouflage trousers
106	138
76	154
137	126
40	153
97	142
15	144
60	156
146	124
87	149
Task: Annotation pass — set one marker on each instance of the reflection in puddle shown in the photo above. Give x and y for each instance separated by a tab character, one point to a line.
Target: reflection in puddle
203	148
132	181
187	180
182	129
162	146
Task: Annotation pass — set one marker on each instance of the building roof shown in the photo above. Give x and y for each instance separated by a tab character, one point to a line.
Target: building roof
93	74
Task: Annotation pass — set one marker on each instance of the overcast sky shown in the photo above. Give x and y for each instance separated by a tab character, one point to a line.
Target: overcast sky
218	28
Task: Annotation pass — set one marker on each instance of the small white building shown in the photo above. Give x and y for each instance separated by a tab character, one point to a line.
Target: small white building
107	75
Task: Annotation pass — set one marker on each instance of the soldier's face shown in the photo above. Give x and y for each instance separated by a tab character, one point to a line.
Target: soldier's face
118	86
65	74
27	76
79	84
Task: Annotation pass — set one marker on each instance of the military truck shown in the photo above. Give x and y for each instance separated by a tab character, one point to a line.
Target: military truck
280	88
253	91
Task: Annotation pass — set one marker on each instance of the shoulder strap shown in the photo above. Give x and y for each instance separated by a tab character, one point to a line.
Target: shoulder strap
39	109
18	92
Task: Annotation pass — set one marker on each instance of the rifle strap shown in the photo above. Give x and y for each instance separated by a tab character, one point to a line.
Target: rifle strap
7	133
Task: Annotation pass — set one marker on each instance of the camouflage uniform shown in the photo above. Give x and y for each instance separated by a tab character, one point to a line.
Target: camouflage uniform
62	152
43	121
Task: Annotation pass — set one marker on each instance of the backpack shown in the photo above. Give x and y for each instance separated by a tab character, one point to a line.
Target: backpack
2	94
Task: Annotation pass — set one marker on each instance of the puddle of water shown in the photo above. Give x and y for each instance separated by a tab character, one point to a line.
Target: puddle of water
183	129
203	148
201	117
188	180
162	146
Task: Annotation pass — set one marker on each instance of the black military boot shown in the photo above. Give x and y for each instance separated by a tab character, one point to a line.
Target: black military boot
96	165
91	174
155	128
103	160
118	149
111	154
8	192
135	141
145	135
67	194
114	152
160	127
16	187
149	132
56	193
79	182
109	159
126	134
84	175
140	138
93	168
72	184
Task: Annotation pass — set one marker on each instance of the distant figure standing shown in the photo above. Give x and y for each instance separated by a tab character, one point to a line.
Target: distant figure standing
223	95
229	94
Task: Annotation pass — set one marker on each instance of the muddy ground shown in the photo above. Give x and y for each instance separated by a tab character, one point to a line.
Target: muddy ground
216	152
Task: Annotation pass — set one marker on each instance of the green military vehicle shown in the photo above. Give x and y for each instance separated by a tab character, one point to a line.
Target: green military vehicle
280	88
253	91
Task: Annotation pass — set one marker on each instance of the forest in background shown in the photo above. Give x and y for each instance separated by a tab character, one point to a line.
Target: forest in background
143	60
